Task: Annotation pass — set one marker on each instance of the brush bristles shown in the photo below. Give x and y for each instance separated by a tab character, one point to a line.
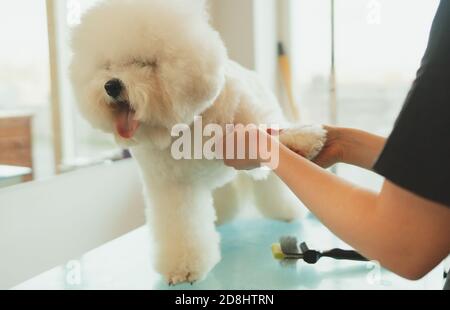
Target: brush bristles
289	245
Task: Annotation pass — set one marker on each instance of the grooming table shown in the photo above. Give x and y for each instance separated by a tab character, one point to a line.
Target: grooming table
247	264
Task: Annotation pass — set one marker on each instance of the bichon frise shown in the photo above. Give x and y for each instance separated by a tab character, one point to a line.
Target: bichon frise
139	68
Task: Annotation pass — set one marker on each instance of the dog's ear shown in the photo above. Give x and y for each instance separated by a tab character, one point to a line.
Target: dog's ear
193	73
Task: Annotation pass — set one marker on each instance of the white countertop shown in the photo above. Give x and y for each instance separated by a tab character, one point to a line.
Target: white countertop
7	172
7	113
247	263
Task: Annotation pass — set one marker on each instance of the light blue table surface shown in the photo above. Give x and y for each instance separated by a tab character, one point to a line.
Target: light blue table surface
247	263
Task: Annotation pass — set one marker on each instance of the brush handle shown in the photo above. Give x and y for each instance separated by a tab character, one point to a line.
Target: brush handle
344	255
285	67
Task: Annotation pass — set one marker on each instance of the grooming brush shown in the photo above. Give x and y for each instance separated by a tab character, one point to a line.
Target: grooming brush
288	252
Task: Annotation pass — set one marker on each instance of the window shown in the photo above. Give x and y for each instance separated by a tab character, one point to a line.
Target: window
81	143
378	46
35	39
24	74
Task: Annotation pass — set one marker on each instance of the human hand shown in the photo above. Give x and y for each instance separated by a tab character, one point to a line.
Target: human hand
333	151
251	148
350	146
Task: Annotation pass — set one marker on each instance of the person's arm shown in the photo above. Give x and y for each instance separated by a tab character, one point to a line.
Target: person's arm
350	146
405	233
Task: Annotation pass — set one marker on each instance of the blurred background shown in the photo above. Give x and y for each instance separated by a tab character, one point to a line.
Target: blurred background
345	62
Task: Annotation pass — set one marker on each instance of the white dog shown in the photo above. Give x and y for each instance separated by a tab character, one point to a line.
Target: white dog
141	67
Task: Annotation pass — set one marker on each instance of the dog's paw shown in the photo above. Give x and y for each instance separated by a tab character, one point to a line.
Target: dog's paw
187	264
182	277
184	274
307	141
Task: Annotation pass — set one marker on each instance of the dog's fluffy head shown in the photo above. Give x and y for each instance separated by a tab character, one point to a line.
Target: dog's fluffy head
163	62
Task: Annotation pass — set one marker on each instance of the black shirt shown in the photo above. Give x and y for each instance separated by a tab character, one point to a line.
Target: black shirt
417	154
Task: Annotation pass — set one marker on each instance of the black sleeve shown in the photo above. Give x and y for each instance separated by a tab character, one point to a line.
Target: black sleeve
417	154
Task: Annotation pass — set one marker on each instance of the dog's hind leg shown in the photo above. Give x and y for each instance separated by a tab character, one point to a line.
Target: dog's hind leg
182	218
226	203
275	200
232	198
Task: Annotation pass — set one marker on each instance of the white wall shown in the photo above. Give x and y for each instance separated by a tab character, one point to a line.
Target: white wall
266	41
249	29
45	224
234	20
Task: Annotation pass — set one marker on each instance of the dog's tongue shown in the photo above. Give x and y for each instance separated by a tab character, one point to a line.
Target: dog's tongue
126	125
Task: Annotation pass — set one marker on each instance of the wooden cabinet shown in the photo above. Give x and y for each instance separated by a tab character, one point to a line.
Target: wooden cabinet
16	141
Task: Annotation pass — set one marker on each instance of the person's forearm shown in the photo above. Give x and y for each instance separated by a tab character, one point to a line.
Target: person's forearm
363	219
360	148
337	203
395	227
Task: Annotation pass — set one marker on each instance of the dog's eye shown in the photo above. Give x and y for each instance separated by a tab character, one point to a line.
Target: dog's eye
145	64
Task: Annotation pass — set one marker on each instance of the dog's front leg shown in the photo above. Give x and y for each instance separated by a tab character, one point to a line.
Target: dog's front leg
182	218
305	140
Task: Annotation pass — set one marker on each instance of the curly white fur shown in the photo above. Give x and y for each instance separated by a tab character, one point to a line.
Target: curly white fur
173	67
307	140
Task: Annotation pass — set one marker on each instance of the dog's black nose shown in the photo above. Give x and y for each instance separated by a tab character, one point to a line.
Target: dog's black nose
113	88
